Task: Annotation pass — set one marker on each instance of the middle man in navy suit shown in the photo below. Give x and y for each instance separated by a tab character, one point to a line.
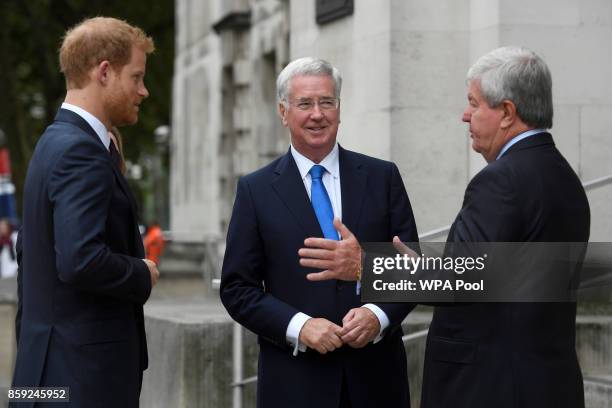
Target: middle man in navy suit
320	346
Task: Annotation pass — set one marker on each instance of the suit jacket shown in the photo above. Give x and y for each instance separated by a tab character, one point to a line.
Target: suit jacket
263	286
82	284
520	354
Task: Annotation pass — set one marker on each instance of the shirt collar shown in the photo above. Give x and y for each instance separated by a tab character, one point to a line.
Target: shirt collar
94	122
517	139
330	162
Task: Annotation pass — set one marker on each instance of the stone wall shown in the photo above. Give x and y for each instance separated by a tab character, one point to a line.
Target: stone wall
404	66
190	358
598	393
7	342
225	123
192	353
593	344
8	308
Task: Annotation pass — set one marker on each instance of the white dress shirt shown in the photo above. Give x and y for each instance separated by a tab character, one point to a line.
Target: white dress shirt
517	139
331	181
94	122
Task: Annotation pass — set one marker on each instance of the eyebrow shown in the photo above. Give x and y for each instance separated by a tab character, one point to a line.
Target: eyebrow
323	98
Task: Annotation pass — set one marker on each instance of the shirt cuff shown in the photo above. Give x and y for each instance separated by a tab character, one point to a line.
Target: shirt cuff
382	319
293	332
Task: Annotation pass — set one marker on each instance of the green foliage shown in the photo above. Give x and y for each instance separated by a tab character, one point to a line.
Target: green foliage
32	88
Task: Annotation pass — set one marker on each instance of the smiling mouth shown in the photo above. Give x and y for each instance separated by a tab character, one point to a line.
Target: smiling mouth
316	129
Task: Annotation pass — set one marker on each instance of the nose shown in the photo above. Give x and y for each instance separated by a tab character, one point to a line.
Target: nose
316	112
144	92
467	115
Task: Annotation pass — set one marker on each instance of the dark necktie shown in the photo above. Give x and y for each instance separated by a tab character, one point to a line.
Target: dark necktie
114	154
321	203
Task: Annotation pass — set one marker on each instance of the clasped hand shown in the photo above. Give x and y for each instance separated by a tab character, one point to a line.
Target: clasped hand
338	260
359	327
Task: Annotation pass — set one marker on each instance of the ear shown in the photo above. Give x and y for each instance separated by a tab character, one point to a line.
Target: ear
508	114
103	72
339	121
282	112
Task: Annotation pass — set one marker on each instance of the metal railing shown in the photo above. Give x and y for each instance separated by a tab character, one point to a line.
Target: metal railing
602	181
239	382
414	336
588	186
438	232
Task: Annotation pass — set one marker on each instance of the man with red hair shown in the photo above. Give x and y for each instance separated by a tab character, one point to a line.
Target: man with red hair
84	278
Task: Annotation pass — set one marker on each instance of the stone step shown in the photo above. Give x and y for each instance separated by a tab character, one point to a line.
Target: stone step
598	391
187	250
194	340
3	395
593	343
175	268
182	259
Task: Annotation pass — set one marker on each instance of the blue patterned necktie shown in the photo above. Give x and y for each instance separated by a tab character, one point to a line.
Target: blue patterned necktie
321	203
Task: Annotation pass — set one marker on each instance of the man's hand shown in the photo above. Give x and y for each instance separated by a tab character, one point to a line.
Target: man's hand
338	259
321	335
153	270
403	248
359	327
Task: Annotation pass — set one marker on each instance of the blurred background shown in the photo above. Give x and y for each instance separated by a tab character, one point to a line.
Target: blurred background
32	88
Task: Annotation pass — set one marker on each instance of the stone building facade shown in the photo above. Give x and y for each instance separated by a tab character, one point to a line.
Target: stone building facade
404	65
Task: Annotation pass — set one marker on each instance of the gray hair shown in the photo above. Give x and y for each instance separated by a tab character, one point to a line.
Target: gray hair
308	66
519	75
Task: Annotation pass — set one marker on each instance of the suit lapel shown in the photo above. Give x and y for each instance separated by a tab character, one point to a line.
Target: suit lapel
290	189
126	190
65	115
353	182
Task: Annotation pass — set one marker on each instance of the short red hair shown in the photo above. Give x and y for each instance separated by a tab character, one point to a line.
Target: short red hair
99	39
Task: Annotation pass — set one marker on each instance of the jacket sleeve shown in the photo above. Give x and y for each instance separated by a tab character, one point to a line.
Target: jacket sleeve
80	188
402	224
242	290
489	212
